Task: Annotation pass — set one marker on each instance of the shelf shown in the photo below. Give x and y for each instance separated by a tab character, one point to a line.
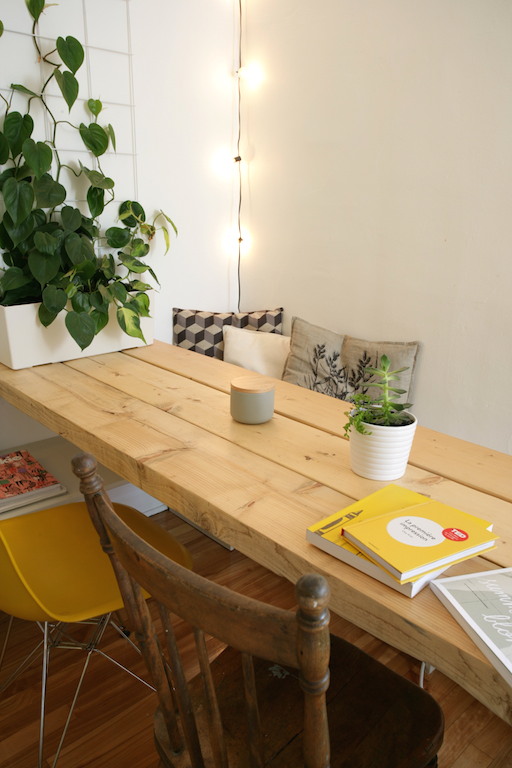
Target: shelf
55	455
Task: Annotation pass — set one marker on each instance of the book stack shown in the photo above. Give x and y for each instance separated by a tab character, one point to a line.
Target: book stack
402	538
24	480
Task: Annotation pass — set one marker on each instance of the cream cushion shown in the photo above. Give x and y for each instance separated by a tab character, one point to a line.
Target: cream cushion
264	353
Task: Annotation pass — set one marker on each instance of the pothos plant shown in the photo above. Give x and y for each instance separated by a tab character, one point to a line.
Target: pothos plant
53	252
383	409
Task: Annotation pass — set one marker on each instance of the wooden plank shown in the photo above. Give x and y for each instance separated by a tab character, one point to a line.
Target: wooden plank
319	456
251	502
468	463
259	507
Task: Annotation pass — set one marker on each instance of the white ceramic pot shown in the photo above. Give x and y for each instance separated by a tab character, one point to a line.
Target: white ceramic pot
24	342
383	455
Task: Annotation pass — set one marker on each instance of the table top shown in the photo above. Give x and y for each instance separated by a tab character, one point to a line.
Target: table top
159	416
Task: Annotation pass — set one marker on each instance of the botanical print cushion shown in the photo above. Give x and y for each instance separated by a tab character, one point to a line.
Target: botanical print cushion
264	353
314	358
334	364
203	331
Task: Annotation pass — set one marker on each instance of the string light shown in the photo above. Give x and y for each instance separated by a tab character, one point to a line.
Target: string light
250	76
238	157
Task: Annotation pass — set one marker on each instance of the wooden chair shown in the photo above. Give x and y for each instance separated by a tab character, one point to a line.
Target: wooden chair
272	697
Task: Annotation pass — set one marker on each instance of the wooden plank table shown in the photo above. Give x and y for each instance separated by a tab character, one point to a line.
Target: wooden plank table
159	417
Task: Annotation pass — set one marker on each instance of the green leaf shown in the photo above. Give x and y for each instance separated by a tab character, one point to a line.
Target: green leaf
81	327
99	302
98	179
112	136
7	174
38	156
166	238
108	267
54	298
49	193
23	172
71	52
139	249
89	228
133	265
100	319
130	322
4	149
68	85
45	243
95	106
39	217
140	303
24	89
118	291
35	8
1	28
78	249
21	232
170	221
80	302
138	285
43	267
18	199
87	270
14	277
71	218
129	210
17	128
96	201
118	237
95	138
46	317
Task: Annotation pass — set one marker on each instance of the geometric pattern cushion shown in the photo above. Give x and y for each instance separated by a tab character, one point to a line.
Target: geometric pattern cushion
334	364
203	331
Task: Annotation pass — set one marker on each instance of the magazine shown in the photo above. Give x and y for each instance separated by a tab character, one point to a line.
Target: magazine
23	480
482	605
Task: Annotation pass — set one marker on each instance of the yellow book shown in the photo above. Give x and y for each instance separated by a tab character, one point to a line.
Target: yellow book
327	534
412	541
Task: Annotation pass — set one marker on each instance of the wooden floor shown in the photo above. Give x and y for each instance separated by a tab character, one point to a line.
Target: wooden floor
112	725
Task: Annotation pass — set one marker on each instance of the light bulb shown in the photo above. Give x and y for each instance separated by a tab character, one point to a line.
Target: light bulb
252	74
233	240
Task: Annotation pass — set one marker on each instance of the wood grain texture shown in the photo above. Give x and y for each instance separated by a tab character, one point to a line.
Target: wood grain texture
433	451
257	487
113	727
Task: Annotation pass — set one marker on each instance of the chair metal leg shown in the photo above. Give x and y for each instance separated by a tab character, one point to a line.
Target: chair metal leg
55	635
44	679
6	640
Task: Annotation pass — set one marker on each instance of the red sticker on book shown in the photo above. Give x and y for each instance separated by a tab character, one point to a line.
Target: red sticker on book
455	534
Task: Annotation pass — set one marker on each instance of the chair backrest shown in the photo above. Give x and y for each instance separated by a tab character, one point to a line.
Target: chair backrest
299	641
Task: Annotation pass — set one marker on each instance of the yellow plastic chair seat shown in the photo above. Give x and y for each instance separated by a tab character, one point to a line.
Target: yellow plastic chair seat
52	567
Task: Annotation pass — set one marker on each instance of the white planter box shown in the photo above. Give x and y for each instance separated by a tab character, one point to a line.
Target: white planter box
24	342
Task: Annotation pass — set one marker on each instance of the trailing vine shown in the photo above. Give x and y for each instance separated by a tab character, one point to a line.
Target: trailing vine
54	253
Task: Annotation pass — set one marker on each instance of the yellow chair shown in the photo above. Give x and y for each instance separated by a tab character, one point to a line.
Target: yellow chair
54	572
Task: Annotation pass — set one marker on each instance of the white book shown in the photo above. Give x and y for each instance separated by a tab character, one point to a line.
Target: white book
482	605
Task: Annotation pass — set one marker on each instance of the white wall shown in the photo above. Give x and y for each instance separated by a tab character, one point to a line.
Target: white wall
184	60
380	190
